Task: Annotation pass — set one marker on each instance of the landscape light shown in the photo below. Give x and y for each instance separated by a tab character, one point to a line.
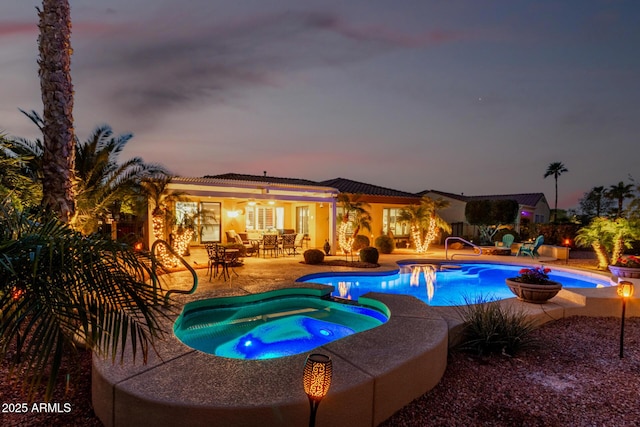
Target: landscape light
625	290
316	381
567	243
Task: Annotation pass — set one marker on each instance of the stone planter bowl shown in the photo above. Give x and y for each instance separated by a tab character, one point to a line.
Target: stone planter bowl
533	293
627	272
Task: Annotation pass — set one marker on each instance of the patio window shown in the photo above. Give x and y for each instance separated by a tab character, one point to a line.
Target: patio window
390	222
186	213
209	222
264	217
302	220
204	217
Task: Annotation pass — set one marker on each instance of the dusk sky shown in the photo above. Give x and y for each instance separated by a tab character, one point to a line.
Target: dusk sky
474	97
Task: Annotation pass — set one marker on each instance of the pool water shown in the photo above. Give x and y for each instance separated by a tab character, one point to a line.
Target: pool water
276	327
444	284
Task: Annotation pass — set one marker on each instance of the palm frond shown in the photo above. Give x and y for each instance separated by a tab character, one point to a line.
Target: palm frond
59	287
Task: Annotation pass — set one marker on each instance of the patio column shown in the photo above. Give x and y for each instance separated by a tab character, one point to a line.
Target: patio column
332	226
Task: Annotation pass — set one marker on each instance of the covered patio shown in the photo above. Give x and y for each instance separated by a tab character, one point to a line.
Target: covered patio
254	206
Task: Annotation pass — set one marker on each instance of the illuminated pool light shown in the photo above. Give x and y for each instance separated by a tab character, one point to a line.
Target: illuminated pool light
275	327
446	283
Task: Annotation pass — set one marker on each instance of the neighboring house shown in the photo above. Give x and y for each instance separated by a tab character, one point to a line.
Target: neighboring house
253	203
533	208
385	206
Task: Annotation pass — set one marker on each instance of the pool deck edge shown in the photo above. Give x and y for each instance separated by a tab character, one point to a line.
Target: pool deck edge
376	372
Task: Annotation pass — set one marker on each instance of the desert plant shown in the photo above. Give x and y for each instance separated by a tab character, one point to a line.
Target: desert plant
369	254
424	221
313	256
490	327
360	241
608	238
354	216
59	288
385	244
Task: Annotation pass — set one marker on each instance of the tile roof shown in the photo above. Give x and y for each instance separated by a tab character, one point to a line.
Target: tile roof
264	178
524	199
355	187
460	197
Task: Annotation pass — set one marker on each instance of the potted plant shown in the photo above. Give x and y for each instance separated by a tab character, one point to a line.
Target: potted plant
628	267
533	285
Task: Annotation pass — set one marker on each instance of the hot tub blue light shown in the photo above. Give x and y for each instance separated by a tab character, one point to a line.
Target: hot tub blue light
273	328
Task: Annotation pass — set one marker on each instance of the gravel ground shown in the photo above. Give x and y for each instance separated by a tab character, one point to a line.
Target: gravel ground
574	377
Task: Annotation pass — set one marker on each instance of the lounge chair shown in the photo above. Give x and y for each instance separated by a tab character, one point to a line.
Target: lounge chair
507	241
531	249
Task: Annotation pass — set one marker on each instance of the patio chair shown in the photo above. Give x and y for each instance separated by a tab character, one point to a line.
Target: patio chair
269	243
250	247
531	249
298	242
217	258
507	241
288	244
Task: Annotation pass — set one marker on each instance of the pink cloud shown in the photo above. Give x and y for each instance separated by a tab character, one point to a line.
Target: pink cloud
12	28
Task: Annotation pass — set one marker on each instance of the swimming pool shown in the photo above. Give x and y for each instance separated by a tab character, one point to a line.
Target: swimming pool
444	283
273	324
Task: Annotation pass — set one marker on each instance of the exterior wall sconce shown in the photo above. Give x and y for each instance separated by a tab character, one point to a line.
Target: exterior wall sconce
316	381
233	214
625	290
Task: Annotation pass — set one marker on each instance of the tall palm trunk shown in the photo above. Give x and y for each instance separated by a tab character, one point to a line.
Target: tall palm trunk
57	97
555	205
601	253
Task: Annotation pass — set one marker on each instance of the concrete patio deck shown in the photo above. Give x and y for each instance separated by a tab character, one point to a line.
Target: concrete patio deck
376	372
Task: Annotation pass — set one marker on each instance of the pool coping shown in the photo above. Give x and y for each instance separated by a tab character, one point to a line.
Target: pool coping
182	386
376	372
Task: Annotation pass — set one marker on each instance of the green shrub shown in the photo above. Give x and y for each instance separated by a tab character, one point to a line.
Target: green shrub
313	256
385	244
359	242
369	254
490	327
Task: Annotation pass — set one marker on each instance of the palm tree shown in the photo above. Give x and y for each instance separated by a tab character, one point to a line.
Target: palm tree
60	290
620	192
15	182
102	181
155	191
555	169
623	233
54	44
355	216
424	221
597	235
